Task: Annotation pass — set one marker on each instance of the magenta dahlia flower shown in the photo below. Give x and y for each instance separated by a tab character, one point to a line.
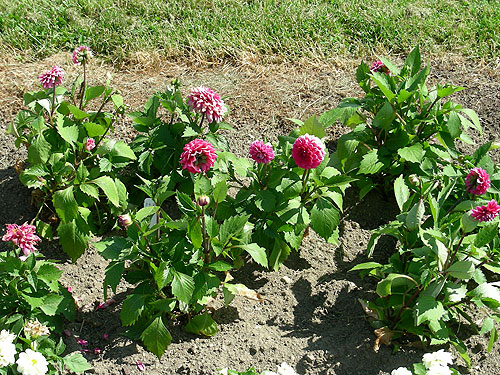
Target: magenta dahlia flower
486	213
261	153
80	54
379	66
477	181
207	102
198	156
52	78
90	144
23	236
308	151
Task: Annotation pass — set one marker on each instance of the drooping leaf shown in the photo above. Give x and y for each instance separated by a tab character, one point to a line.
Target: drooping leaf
324	217
202	325
257	253
75	362
108	186
182	286
156	337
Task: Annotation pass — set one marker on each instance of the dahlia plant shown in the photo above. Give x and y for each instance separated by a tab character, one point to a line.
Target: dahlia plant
400	125
34	306
448	240
168	123
71	166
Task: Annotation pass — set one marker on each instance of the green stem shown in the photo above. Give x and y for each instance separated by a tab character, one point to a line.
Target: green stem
84	83
204	230
305	177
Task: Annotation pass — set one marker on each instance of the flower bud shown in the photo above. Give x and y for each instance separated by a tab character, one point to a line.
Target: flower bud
90	144
203	200
414	180
124	220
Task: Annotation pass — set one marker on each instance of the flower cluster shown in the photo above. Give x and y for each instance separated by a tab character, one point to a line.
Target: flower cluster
81	54
51	78
207	102
7	348
22	236
477	181
198	156
36	329
379	66
486	213
435	364
261	152
308	151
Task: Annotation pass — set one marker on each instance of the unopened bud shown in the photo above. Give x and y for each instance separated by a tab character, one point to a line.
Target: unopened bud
203	200
124	220
414	180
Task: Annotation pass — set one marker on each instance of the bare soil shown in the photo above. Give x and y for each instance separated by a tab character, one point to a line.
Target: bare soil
310	317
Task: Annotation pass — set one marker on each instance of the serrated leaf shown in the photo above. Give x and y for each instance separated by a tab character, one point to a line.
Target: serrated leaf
156	337
468	223
413	154
79	114
194	233
108	186
75	362
184	202
122	150
463	270
427	309
94	130
182	286
415	215
401	191
231	228
89	190
385	116
93	92
313	127
68	133
114	273
39	151
132	308
257	253
324	217
65	204
370	163
72	239
51	304
220	191
486	234
202	325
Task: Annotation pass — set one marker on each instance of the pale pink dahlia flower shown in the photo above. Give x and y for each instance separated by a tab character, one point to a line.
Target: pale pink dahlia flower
477	181
52	78
207	102
198	156
308	151
486	213
379	66
81	53
124	220
23	236
261	153
90	144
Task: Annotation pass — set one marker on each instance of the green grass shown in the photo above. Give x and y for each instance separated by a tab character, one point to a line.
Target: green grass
227	29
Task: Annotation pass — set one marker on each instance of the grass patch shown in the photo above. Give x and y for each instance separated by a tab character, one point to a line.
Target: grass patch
229	29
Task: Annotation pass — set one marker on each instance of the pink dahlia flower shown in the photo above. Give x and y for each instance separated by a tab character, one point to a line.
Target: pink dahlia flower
52	78
261	153
308	151
207	102
81	53
198	156
379	66
486	213
23	236
477	181
90	144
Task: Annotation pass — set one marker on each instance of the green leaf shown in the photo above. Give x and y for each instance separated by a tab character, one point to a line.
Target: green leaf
413	154
366	266
182	286
220	191
51	304
75	362
463	270
132	308
202	325
221	266
185	202
474	118
79	114
370	164
382	83
39	151
486	234
384	287
280	252
122	150
313	127
257	253
117	100
401	191
89	190
324	217
487	293
454	125
194	233
468	223
94	130
93	92
114	273
65	204
49	274
265	200
156	337
231	228
162	275
73	240
68	133
413	62
415	215
384	117
487	326
108	186
427	309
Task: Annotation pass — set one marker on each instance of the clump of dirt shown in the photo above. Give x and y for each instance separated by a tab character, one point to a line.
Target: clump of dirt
310	317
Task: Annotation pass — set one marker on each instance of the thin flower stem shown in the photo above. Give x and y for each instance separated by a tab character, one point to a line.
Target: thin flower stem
204	230
450	261
84	83
305	177
455	204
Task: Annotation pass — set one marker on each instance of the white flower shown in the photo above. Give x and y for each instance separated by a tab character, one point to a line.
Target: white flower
32	363
223	371
439	358
7	353
401	371
438	370
269	373
285	369
6	336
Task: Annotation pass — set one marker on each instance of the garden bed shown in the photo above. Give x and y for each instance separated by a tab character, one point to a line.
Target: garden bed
309	317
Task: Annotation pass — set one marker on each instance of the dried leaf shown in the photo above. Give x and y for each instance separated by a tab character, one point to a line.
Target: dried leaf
384	336
19	167
370	313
